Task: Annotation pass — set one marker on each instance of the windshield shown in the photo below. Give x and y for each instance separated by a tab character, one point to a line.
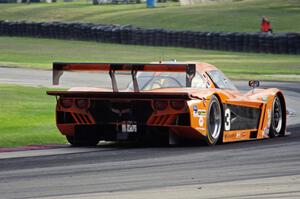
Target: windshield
220	80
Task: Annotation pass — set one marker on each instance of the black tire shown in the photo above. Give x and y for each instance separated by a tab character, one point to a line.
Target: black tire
82	142
277	126
214	122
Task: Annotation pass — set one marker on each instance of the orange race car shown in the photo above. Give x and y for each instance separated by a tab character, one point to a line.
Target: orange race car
166	101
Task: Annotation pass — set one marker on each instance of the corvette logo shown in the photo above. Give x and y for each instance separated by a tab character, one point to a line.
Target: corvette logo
120	112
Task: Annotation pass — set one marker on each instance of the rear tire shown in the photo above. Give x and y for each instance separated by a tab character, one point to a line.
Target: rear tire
277	127
214	121
82	142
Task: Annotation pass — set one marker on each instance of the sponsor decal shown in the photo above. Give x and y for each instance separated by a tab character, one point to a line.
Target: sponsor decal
202	112
195	111
236	135
198	112
230	136
241	135
201	121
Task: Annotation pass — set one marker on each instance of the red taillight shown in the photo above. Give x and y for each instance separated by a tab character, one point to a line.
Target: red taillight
177	105
160	105
66	103
82	103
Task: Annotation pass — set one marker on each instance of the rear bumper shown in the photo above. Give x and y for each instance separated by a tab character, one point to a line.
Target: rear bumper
113	132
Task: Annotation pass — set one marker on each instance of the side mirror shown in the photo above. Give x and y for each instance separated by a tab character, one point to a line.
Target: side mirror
253	83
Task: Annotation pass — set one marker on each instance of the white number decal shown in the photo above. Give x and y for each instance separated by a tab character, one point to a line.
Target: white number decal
227	119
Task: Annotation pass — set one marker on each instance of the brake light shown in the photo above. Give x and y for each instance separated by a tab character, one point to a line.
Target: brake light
82	103
66	103
160	105
177	105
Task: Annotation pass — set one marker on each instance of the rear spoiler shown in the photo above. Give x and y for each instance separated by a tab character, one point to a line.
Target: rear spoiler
121	95
60	67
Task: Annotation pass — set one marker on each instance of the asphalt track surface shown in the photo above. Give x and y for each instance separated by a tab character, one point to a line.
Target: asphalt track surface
255	169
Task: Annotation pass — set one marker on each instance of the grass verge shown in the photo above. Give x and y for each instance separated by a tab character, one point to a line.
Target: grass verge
27	117
40	53
239	16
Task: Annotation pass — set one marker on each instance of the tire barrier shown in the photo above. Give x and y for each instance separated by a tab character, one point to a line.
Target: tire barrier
279	43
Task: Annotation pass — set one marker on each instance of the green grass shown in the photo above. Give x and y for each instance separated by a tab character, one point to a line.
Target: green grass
241	15
27	117
40	53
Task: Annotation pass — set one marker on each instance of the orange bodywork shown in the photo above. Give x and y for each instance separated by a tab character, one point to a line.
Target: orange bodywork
182	111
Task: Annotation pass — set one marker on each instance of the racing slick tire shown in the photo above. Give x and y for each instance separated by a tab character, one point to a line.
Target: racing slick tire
82	142
277	126
214	122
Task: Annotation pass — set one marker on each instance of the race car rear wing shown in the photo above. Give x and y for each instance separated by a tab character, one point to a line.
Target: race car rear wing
60	67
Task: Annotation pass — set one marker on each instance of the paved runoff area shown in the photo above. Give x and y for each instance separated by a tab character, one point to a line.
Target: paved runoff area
267	168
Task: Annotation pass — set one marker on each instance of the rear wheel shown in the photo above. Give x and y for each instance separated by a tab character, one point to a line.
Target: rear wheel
214	121
91	141
277	127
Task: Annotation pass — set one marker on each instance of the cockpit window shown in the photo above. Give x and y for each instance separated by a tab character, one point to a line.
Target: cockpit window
151	80
199	82
220	80
163	82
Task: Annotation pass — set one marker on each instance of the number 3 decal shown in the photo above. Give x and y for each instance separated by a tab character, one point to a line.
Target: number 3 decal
227	119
